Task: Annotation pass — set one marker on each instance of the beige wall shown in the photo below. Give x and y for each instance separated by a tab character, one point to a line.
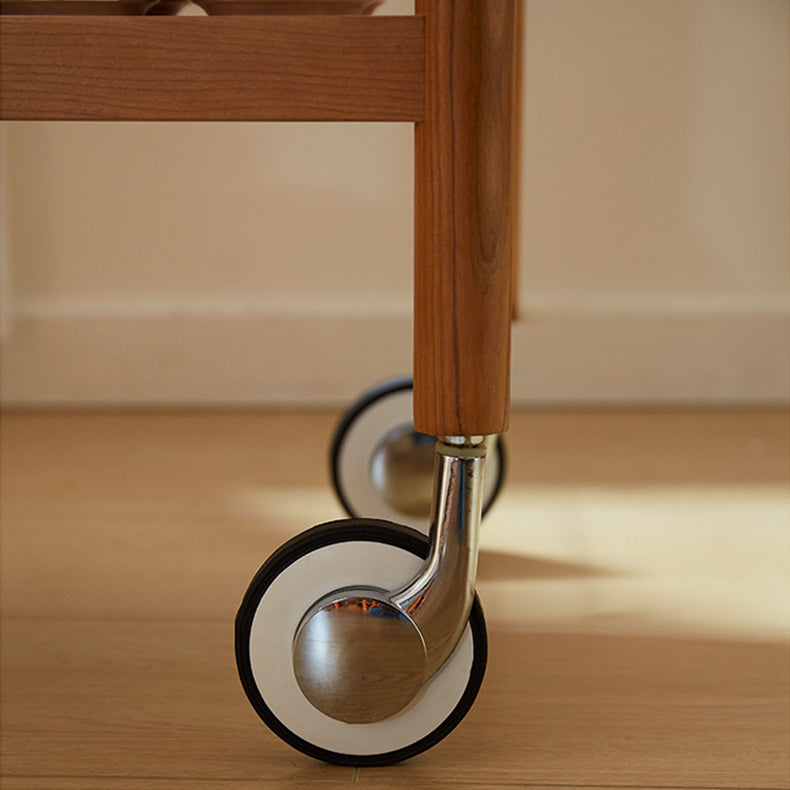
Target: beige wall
272	262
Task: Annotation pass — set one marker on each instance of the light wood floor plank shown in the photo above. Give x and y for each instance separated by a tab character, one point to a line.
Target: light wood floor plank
609	710
143	699
634	577
152	783
136	699
133	490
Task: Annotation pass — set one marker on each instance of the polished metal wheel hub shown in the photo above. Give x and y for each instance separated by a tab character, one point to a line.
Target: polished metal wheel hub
359	659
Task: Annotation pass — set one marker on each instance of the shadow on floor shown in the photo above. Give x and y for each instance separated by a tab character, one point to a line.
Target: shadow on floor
502	566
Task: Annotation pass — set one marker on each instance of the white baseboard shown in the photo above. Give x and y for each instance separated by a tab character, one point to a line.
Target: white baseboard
268	355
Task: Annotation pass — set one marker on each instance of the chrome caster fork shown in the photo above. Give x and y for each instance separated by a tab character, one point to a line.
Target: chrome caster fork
388	662
362	654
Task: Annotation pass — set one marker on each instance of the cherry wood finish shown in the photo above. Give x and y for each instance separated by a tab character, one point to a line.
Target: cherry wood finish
73	7
450	69
288	7
307	68
464	219
518	121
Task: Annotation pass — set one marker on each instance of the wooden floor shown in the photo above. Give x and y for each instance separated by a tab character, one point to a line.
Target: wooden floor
635	577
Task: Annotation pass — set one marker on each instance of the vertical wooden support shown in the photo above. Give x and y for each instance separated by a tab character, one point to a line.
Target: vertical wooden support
518	120
464	218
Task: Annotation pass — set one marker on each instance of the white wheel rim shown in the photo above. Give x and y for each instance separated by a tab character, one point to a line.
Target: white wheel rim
274	624
363	436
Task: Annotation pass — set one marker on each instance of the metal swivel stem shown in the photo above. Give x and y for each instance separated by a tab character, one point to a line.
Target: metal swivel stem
440	598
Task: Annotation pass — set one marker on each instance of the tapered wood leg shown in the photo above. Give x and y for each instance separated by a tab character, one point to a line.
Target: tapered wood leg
464	218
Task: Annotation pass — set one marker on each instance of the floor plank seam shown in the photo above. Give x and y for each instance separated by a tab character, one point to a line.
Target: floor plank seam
605	786
355	779
215	779
638	623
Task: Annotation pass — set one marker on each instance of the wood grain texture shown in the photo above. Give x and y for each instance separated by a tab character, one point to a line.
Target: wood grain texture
520	61
464	219
288	7
107	482
307	68
600	711
75	7
128	540
137	700
160	701
164	783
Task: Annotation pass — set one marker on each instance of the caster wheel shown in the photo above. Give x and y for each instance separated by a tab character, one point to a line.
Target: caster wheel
383	468
304	570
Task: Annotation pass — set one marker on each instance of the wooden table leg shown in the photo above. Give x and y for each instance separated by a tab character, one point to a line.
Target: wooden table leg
464	218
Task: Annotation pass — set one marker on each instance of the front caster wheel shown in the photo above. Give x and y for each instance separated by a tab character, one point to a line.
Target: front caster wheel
383	468
329	557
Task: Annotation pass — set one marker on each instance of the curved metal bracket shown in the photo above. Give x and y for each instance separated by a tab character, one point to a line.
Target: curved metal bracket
361	654
440	597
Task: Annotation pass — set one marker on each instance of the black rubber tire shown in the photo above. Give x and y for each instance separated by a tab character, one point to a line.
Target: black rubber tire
318	537
367	399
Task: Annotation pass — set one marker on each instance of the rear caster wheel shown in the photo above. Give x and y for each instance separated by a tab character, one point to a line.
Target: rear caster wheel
383	468
330	557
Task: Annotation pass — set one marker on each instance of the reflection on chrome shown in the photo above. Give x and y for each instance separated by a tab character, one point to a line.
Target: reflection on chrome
361	655
401	469
358	658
